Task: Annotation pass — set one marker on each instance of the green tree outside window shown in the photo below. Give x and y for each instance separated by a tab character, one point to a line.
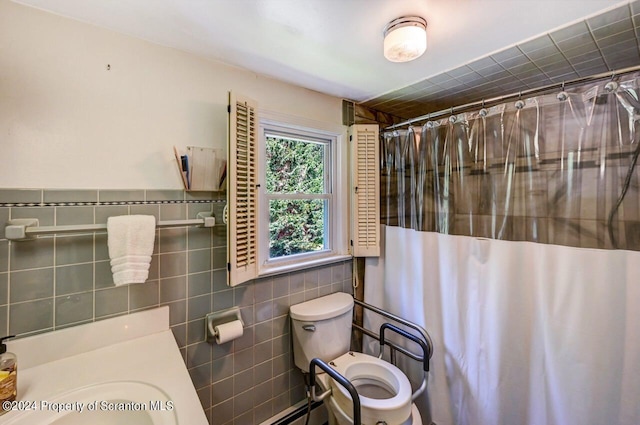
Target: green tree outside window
295	167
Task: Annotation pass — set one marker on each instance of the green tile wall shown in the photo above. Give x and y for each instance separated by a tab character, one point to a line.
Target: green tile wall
62	281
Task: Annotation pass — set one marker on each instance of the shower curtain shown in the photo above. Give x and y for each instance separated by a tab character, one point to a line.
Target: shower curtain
512	234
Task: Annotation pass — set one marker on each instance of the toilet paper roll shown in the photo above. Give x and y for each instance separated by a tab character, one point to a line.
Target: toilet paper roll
228	331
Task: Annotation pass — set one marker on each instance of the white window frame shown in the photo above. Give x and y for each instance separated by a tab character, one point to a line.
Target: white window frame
337	228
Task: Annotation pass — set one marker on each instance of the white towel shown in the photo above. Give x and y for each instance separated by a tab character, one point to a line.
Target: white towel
130	239
130	259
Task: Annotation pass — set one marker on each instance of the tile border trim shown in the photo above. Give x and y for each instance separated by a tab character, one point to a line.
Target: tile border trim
82	204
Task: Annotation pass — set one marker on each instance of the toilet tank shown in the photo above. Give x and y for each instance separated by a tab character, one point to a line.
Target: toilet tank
321	328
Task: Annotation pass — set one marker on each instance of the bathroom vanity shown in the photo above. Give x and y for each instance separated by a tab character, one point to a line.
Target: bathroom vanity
127	369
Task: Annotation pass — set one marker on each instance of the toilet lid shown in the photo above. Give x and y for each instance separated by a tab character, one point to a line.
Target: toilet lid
395	388
322	308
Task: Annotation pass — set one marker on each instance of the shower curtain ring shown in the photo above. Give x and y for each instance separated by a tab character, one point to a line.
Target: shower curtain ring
429	123
452	118
483	111
562	96
519	104
611	86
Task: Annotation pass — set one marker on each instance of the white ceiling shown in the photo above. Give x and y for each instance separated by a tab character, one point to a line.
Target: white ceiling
331	46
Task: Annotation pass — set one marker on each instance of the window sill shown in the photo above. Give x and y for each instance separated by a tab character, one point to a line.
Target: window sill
300	265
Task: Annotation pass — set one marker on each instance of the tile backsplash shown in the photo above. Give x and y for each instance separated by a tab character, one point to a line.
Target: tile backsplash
58	281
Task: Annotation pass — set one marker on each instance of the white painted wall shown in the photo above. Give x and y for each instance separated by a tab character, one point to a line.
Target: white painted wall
68	122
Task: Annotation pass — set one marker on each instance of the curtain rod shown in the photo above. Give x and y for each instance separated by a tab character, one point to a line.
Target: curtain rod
611	74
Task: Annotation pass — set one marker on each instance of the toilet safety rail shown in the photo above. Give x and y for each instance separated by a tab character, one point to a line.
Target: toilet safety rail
394	347
425	341
420	342
340	380
408	335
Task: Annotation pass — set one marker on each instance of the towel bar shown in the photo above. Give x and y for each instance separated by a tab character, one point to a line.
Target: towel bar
27	228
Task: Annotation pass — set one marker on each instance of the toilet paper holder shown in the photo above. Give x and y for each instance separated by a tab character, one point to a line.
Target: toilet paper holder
219	318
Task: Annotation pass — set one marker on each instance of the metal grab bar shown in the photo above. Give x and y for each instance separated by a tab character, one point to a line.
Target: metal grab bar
426	343
340	380
28	228
394	346
400	320
421	343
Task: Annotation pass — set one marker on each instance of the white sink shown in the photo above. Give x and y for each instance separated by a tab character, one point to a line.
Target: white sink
99	405
126	370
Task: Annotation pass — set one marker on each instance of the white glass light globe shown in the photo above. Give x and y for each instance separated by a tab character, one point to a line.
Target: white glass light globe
405	42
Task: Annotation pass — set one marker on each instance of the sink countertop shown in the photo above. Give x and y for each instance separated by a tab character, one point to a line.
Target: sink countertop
150	358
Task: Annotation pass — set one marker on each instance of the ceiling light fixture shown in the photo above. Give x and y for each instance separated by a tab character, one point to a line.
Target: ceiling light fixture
405	39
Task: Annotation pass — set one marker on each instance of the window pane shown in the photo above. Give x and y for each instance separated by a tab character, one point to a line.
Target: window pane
296	226
295	166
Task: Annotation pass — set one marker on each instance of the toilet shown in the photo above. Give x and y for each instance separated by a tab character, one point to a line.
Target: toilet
322	329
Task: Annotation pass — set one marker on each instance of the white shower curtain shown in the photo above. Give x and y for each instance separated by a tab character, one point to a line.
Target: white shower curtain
513	237
524	333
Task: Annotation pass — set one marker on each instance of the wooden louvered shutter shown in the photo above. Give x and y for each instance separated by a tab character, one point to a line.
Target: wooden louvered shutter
365	183
242	191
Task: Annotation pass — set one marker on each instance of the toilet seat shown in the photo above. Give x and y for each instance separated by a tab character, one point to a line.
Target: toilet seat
384	390
342	418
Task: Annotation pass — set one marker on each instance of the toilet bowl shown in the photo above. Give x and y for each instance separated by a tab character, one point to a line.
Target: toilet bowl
384	390
338	417
321	329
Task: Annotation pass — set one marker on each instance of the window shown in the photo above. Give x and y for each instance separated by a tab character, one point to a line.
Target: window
298	193
299	206
287	193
